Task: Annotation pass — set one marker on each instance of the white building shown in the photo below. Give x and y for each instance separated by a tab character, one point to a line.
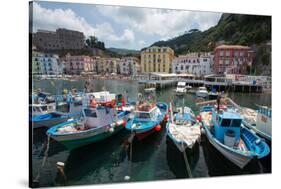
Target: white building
48	64
128	66
193	63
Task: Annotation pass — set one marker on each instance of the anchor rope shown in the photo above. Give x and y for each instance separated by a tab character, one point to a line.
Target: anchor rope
130	140
44	159
186	161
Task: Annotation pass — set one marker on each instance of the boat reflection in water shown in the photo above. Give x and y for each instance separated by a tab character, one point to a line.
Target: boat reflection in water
175	159
98	162
218	165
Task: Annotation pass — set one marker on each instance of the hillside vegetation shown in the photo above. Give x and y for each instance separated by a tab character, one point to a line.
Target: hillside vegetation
249	30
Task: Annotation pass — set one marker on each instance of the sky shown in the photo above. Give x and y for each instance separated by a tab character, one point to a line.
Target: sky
120	27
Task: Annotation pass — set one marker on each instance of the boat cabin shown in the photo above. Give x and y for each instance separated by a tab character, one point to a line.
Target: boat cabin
202	89
181	84
264	121
40	109
99	116
227	126
184	119
147	112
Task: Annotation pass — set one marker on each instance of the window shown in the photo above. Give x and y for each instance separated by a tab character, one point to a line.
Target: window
236	123
142	115
44	108
90	113
226	122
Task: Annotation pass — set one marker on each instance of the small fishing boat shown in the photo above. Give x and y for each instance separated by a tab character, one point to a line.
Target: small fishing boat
181	89
202	92
183	128
102	117
188	87
147	119
213	94
261	123
45	115
150	87
226	132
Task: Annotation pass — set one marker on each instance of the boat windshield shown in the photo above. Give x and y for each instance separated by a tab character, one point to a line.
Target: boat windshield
142	115
231	122
90	113
44	108
184	122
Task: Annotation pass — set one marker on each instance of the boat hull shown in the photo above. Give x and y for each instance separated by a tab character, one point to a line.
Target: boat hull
48	123
77	141
241	160
261	134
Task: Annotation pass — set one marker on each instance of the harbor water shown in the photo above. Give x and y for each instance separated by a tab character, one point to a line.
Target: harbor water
155	158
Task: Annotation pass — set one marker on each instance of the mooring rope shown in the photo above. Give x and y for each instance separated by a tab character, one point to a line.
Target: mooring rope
186	161
130	140
44	159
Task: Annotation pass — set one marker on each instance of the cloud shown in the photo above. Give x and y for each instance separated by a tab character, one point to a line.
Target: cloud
51	19
162	22
141	42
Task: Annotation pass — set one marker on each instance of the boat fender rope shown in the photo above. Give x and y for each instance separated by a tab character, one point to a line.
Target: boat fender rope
186	161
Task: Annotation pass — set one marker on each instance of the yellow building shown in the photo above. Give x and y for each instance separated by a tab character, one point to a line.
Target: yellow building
157	59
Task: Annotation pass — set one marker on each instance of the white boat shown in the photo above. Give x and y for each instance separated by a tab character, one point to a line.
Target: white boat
213	94
181	88
188	87
202	92
150	87
184	129
45	115
102	116
260	121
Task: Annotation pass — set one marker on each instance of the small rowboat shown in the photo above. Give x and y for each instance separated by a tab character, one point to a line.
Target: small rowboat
183	129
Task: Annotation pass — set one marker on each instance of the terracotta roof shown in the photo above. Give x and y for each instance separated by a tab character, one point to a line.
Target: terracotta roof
232	47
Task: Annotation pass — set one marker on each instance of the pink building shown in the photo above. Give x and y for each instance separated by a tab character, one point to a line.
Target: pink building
232	59
78	64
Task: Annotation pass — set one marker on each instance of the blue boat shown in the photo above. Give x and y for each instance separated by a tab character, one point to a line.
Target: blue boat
183	129
262	123
226	132
45	115
101	118
147	119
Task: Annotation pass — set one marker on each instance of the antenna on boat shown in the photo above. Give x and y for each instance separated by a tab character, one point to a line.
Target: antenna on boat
218	102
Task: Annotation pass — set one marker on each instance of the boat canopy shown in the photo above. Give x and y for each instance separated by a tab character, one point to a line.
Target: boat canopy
181	84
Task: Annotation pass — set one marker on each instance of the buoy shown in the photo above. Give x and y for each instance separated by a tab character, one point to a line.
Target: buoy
158	128
124	123
60	167
202	131
166	117
198	118
111	130
60	164
127	178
